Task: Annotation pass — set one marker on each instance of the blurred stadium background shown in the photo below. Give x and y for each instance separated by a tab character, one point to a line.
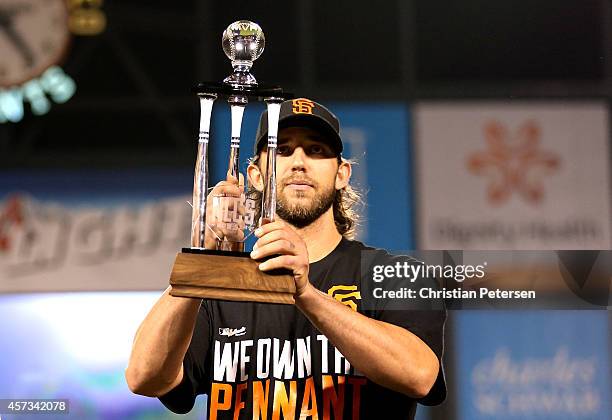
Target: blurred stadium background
476	125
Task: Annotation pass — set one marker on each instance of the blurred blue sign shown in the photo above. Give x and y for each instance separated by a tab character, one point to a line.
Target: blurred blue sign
533	365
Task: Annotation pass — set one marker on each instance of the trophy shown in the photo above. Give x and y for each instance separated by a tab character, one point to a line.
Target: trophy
216	266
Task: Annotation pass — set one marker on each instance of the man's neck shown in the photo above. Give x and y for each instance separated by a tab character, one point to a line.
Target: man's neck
321	236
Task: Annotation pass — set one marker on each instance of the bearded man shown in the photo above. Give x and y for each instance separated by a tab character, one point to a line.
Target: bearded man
329	355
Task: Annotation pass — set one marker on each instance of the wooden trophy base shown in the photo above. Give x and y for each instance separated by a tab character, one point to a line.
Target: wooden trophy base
211	274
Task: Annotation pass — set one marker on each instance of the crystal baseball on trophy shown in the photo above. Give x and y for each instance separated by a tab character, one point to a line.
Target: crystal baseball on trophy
224	217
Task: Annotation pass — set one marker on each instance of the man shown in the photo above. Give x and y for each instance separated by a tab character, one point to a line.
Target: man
327	357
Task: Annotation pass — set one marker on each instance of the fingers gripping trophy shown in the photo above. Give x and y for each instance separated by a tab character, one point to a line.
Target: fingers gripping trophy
216	266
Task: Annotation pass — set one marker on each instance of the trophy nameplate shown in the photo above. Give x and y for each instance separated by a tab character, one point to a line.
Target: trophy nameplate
216	266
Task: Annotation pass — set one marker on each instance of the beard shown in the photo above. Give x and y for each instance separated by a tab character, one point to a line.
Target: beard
300	214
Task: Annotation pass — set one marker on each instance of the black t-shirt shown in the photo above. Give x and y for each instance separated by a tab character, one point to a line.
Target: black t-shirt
267	361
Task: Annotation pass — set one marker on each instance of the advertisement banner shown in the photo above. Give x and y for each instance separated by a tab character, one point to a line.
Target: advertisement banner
109	230
532	365
494	175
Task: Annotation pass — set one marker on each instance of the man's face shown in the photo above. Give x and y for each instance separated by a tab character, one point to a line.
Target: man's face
306	168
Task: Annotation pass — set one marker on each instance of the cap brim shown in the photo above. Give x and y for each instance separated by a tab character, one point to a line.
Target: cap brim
307	121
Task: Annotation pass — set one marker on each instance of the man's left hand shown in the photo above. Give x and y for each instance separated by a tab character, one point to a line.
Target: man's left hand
278	238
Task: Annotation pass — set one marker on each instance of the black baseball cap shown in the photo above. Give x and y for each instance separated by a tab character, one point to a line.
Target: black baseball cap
302	112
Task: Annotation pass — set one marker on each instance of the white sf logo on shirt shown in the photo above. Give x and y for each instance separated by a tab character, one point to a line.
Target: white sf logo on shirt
231	332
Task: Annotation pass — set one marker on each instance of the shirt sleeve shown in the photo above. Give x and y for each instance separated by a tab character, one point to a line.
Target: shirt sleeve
424	318
181	398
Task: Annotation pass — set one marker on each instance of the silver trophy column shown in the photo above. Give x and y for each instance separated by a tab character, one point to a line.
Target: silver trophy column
268	202
200	178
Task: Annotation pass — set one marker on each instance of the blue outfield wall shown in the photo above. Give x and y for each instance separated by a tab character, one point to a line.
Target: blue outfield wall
103	188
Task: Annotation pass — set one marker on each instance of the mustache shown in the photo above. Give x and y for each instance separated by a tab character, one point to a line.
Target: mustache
298	179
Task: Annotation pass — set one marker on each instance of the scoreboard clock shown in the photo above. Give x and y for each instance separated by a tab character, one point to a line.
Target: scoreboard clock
35	37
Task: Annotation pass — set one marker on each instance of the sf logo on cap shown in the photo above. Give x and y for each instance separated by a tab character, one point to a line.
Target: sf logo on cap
302	106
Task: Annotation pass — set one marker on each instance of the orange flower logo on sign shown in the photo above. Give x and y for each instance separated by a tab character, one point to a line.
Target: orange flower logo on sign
347	295
513	163
302	106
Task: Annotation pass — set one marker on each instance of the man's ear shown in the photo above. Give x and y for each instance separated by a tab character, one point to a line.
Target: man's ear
256	178
343	176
